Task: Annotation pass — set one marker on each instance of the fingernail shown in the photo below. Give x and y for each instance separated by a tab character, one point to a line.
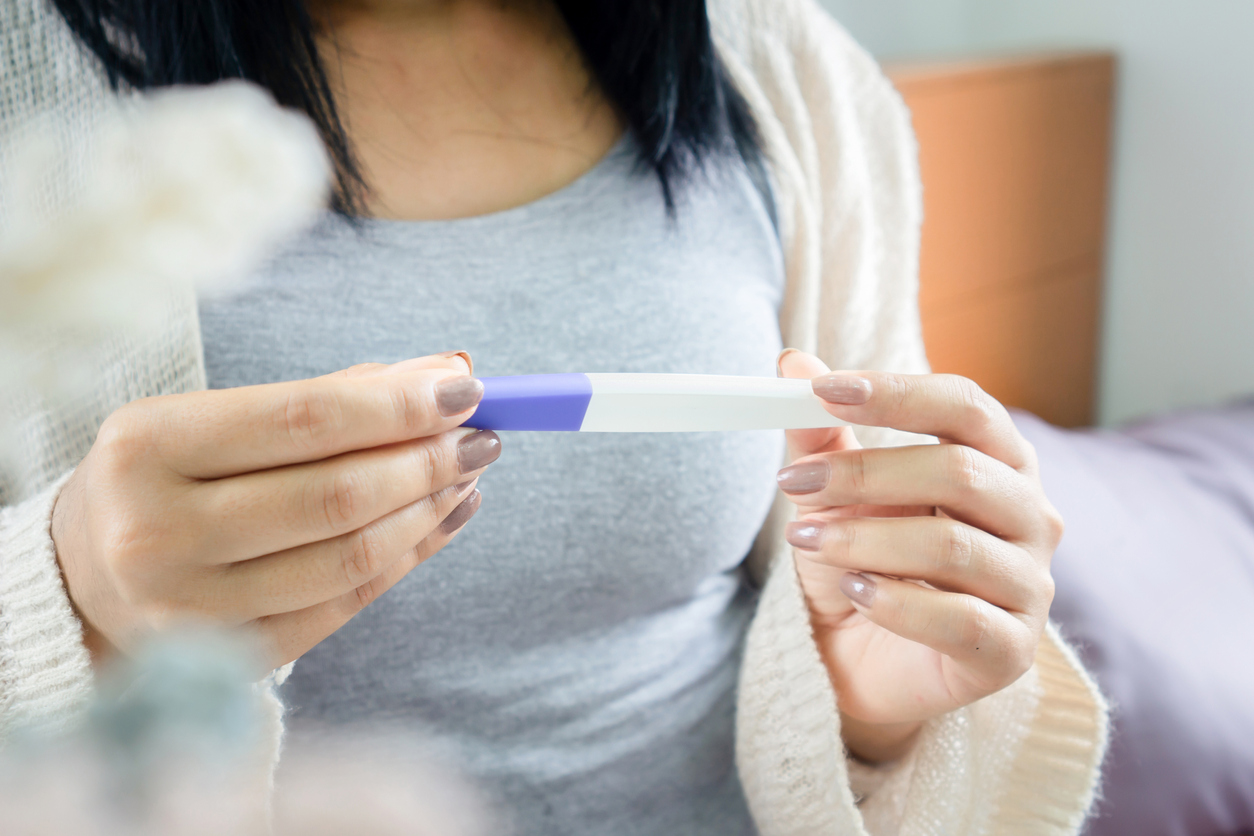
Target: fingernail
465	355
463	486
805	534
464	511
457	394
838	387
858	588
806	477
779	361
478	450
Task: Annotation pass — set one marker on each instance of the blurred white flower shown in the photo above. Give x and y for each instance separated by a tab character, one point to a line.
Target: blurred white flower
186	185
172	747
362	782
166	748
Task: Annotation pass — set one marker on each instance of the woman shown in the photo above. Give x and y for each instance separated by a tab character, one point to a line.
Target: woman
556	187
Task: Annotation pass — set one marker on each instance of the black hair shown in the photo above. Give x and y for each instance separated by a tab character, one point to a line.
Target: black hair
654	59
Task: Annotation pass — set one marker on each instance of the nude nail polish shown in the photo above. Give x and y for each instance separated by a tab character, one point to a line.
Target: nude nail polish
858	588
805	477
478	450
454	395
841	388
463	512
805	534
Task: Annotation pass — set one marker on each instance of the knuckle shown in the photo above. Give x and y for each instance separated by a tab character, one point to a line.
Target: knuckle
899	391
309	418
956	550
1048	590
436	460
974	623
366	594
841	542
423	550
179	603
333	502
979	411
193	603
411	410
123	437
125	552
857	473
156	614
1031	460
364	557
118	559
1055	526
966	469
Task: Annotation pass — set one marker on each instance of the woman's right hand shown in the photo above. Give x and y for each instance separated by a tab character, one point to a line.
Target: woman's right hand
286	508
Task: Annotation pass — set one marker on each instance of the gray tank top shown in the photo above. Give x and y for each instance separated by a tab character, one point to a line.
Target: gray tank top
577	646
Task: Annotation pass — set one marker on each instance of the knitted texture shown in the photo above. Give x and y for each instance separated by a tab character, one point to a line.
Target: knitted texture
843	166
788	747
45	672
49	85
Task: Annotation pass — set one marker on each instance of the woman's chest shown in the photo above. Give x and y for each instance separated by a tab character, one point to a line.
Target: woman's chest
597	277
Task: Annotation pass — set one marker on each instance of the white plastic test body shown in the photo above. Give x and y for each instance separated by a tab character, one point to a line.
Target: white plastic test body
648	403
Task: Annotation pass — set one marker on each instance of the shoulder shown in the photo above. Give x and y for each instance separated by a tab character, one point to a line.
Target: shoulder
795	37
806	75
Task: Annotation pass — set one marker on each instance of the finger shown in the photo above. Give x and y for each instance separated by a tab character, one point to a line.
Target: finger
260	513
208	435
963	482
297	578
458	361
993	646
798	364
947	554
288	636
950	407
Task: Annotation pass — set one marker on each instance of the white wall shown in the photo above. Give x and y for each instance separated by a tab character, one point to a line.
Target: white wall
1179	323
891	28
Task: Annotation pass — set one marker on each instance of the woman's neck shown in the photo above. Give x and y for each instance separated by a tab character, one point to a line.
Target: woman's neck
463	107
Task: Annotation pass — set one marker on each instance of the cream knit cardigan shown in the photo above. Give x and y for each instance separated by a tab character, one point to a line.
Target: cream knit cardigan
842	160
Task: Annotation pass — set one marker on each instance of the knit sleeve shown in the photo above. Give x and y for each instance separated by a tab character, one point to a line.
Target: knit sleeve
45	671
844	164
46	675
1024	760
870	209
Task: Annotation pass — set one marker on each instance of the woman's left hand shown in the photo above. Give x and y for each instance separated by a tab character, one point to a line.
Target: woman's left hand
926	568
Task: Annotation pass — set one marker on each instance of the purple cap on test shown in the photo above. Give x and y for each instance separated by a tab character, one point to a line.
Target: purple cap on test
552	402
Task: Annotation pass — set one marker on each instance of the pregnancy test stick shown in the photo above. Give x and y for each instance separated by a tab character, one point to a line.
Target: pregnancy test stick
648	403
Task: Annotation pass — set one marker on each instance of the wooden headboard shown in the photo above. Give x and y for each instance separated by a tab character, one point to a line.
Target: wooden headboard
1014	155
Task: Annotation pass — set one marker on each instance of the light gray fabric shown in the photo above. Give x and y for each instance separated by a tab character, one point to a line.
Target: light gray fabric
577	647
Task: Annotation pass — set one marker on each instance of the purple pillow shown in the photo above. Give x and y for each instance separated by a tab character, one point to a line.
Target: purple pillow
1155	581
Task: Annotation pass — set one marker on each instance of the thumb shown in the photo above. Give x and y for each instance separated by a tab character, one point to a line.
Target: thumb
798	364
